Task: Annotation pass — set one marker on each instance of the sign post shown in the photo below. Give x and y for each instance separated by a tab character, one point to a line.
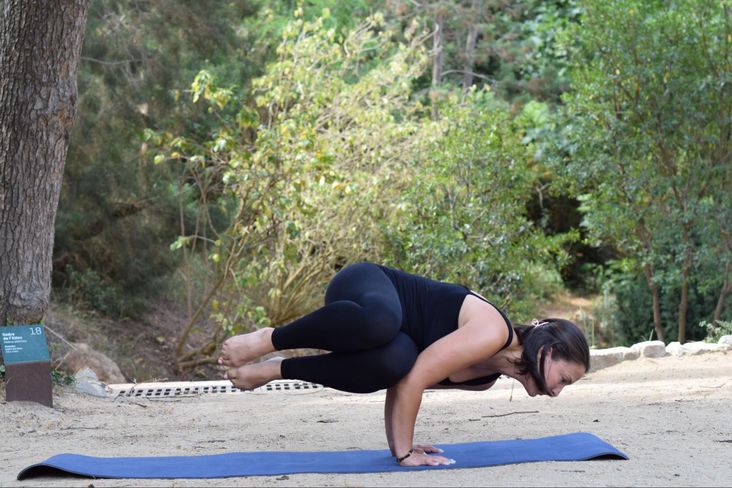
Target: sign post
27	364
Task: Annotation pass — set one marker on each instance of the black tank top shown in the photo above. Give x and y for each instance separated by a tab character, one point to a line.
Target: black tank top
430	311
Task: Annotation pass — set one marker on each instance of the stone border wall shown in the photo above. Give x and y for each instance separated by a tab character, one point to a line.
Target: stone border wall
602	358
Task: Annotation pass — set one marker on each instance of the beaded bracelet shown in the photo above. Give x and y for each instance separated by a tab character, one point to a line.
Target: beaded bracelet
400	459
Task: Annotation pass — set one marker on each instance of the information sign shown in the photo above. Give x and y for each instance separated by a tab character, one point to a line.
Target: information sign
24	344
27	364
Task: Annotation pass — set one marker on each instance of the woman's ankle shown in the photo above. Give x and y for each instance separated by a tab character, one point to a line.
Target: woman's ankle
267	339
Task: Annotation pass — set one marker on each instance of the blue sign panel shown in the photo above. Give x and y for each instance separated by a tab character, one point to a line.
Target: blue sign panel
24	344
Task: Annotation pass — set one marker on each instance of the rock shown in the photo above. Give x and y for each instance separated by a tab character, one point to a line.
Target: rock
726	339
602	358
675	349
83	356
630	353
86	381
694	348
650	349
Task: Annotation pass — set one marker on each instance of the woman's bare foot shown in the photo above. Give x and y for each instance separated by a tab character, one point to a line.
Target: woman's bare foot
242	349
251	376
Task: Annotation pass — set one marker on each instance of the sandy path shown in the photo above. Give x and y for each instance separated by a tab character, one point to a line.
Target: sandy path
672	416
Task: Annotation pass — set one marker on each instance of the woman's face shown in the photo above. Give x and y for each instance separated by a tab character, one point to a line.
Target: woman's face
558	373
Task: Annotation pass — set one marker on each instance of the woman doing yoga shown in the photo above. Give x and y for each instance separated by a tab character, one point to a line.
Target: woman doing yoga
387	329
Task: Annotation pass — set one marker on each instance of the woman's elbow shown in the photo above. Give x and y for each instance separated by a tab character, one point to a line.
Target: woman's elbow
412	383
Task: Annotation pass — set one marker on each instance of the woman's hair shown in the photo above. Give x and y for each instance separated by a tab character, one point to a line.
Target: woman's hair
565	340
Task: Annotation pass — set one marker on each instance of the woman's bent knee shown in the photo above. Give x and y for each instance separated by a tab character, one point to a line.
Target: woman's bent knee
382	323
395	361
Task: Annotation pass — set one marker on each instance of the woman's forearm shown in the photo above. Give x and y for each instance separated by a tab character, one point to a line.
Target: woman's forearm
388	406
407	399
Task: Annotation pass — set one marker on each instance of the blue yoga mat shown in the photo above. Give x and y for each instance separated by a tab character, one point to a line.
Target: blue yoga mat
580	446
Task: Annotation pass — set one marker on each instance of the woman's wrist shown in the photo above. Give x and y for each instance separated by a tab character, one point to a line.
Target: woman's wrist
399	459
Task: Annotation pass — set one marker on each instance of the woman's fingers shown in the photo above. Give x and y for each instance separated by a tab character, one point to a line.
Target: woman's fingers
440	461
427	448
422	459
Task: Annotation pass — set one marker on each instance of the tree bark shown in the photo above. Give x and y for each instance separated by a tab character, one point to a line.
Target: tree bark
437	58
470	48
40	47
683	305
684	299
656	297
722	295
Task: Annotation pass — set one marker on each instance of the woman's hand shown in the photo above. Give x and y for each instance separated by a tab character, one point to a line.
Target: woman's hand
419	457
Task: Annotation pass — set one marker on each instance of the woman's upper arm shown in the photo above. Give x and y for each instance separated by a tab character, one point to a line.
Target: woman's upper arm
478	339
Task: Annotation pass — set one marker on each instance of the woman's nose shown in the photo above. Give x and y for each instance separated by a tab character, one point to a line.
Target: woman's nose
557	390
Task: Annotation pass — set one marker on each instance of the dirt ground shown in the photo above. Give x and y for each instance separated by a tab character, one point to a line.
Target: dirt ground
672	416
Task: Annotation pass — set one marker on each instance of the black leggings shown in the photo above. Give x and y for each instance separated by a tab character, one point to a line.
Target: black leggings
360	323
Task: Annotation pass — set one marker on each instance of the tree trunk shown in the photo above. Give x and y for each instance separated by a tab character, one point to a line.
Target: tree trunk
40	47
722	295
684	299
437	59
655	295
683	306
470	48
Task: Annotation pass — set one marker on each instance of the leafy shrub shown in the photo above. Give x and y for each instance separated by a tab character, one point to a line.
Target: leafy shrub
463	216
716	330
634	311
61	378
88	289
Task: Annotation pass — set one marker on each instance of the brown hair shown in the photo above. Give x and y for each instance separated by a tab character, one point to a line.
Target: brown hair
563	337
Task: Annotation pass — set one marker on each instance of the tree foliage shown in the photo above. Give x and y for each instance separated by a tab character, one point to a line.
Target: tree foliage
647	136
118	212
330	159
464	213
239	154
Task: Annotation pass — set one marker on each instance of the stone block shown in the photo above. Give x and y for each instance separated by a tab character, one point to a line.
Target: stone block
86	381
650	349
83	356
602	358
694	348
675	349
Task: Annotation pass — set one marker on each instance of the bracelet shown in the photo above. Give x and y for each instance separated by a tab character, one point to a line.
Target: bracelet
400	459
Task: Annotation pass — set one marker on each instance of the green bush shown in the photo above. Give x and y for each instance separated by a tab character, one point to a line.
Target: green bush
633	320
716	330
88	289
464	214
60	378
638	144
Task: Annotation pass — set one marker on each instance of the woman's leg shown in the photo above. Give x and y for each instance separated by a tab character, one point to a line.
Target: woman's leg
356	372
362	311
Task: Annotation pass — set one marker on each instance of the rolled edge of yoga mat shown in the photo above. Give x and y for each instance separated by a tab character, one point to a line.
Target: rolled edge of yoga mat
580	446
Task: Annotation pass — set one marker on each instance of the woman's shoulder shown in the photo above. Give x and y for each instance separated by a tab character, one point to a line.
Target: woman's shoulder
492	306
477	309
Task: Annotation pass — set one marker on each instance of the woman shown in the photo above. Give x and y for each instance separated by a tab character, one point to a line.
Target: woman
391	330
